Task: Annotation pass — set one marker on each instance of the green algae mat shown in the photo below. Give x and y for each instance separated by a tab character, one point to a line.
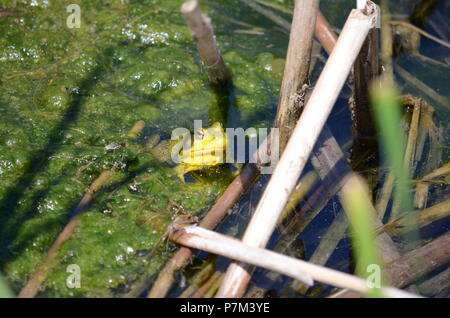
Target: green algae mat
68	98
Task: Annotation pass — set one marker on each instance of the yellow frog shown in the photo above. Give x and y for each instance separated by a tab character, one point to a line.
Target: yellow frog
207	150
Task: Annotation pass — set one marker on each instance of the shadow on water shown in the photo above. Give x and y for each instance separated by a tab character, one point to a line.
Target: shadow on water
225	98
10	220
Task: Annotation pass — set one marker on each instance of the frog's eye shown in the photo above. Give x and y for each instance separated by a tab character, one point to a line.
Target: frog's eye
200	133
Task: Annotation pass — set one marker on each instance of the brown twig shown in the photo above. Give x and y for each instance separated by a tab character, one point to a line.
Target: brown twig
325	34
32	287
6	14
365	70
203	33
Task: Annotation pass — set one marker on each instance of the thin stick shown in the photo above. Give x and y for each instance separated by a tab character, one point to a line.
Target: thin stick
213	242
386	41
296	70
201	28
305	134
215	286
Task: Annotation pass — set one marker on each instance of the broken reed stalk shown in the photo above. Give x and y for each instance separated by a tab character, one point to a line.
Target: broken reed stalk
387	43
202	30
413	265
296	70
213	242
239	185
301	191
212	291
301	142
365	70
32	287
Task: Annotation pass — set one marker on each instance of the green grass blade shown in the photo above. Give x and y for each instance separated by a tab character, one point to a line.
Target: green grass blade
388	116
361	213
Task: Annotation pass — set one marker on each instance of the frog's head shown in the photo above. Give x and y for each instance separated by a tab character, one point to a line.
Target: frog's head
207	150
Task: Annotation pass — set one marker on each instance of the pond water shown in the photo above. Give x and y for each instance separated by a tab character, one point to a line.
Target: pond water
69	96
